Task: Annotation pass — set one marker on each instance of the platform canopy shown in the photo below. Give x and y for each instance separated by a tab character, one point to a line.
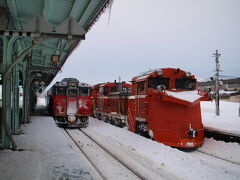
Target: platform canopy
36	38
63	22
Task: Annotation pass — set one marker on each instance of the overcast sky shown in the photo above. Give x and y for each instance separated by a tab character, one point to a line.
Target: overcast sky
150	34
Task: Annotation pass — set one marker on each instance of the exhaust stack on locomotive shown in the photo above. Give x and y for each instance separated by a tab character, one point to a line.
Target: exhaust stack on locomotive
162	104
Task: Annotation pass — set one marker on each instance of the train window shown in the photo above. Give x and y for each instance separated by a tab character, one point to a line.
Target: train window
84	91
61	91
101	90
105	90
124	88
72	92
141	86
154	82
113	89
185	84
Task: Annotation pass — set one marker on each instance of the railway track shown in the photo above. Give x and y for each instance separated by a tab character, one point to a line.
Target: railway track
217	157
106	163
221	136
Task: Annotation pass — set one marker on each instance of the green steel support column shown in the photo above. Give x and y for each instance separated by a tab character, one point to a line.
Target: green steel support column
27	80
6	74
26	95
5	139
7	60
29	103
10	86
25	98
24	75
31	97
15	114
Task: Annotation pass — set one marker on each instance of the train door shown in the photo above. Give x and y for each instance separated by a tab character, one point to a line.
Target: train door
100	99
72	101
140	99
141	109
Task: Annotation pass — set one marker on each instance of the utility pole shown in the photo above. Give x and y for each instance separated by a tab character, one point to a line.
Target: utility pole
239	105
217	55
119	79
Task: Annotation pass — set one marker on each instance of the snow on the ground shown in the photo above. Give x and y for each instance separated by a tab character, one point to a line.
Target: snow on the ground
227	92
229	151
109	166
189	96
182	165
228	121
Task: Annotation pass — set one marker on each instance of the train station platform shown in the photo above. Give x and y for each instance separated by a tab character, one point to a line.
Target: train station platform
44	152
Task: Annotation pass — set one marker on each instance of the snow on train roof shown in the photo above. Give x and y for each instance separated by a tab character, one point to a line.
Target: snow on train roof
144	75
189	96
102	84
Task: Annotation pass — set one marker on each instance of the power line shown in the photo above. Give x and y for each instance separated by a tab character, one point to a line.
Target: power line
226	76
231	70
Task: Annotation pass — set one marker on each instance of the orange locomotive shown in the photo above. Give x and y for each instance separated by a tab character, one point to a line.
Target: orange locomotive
110	102
163	104
69	102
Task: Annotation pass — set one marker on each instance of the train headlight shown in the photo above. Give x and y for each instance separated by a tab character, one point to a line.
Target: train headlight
188	74
71	118
160	72
192	133
151	134
161	88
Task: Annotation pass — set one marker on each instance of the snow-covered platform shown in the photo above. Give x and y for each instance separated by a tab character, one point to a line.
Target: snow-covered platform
227	123
44	153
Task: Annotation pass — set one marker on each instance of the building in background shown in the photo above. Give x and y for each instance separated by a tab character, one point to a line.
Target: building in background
229	90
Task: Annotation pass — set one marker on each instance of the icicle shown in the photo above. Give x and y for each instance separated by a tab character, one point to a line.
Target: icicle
110	10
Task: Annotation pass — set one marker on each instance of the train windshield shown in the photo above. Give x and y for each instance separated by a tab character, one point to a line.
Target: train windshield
113	89
126	88
154	82
61	91
185	84
72	92
84	91
141	86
